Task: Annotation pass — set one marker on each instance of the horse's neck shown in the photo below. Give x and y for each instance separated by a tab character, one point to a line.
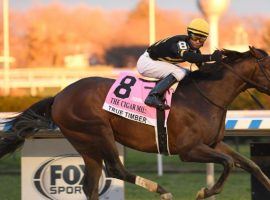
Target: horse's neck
224	91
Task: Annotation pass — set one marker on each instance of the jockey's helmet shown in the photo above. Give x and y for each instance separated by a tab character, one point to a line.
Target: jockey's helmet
198	26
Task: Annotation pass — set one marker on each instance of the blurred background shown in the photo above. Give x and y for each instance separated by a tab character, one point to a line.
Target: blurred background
47	44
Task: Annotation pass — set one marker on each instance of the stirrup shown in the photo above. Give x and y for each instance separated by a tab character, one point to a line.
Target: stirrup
156	102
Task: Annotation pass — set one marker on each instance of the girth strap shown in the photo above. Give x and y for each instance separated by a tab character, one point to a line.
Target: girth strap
162	135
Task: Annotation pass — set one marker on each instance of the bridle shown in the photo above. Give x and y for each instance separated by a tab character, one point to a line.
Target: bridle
265	73
243	78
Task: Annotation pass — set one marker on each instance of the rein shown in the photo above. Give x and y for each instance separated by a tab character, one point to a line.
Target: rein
206	97
267	76
256	100
245	79
264	88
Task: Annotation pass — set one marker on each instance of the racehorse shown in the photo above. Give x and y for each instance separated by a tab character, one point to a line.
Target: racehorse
195	125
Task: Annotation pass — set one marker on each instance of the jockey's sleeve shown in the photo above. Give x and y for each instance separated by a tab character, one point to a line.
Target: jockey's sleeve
199	65
194	57
203	64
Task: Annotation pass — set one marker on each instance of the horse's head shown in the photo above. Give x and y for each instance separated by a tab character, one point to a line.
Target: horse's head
256	62
262	70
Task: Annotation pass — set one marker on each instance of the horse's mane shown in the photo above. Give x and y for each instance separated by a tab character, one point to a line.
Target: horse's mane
211	71
214	71
233	56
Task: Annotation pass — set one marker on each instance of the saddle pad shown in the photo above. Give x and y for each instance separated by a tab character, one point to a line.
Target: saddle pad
126	98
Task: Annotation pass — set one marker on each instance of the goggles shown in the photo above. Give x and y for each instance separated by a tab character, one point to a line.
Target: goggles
197	38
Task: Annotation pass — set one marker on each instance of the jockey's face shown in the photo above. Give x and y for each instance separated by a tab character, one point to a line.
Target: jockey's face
196	41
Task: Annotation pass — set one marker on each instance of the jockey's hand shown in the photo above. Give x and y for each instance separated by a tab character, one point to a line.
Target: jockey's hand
216	56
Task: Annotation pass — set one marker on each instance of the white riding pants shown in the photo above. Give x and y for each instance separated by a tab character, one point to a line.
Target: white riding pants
158	69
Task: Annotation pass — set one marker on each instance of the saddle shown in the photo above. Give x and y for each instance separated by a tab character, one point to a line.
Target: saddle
126	98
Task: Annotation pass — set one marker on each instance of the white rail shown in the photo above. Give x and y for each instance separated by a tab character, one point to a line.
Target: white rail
34	78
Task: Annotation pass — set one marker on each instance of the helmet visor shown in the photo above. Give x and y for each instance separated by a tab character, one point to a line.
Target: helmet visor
199	38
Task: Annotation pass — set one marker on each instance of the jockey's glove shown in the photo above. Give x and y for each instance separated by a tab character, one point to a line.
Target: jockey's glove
216	56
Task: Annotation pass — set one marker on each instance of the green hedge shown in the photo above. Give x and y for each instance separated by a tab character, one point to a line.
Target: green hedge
16	104
242	102
245	102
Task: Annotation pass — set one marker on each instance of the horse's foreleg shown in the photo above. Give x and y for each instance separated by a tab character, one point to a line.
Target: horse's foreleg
205	154
245	163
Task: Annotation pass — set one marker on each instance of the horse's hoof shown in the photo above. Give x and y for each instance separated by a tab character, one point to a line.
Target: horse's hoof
166	196
201	194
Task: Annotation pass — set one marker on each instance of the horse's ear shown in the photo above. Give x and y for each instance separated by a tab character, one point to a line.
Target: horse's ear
256	53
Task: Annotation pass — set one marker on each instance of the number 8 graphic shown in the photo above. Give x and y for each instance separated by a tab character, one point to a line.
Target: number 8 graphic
125	86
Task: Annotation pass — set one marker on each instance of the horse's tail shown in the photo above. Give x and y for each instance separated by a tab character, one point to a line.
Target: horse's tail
27	123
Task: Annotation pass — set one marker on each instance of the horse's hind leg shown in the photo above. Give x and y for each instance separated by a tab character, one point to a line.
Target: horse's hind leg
205	154
245	163
116	169
103	144
92	172
88	146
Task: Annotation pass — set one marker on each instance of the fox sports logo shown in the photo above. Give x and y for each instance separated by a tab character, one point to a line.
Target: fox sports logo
62	178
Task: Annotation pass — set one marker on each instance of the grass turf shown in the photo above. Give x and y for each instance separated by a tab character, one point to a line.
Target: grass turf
183	185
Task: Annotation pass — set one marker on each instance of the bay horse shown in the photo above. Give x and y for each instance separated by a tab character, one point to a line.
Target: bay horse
196	123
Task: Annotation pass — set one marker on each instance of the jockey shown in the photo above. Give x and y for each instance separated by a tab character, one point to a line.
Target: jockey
160	59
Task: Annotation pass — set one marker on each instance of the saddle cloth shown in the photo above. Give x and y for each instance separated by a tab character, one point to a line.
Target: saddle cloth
126	98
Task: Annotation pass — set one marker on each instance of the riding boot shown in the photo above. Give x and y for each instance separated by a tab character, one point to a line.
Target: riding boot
155	97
